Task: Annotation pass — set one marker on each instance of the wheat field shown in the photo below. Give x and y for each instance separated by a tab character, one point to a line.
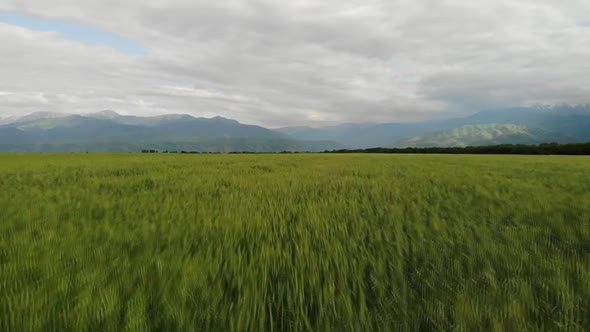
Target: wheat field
171	242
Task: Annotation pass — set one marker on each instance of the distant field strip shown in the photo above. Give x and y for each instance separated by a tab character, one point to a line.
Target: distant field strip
156	242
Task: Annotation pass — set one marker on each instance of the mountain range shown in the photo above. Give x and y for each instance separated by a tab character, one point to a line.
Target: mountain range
109	131
484	134
561	123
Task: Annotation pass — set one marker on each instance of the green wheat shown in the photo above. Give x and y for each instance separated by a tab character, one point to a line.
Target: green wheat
129	242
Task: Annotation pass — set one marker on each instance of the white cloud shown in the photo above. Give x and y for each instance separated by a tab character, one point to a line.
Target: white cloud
301	62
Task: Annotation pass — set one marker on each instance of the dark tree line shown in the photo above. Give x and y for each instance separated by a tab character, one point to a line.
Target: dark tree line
232	152
181	152
541	149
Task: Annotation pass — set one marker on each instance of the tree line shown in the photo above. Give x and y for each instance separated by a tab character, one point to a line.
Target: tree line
541	149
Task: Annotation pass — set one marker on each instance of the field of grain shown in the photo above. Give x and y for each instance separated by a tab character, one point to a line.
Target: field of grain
129	242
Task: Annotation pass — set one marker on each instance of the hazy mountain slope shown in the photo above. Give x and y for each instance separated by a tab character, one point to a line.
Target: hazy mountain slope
106	131
36	116
9	135
570	121
150	121
7	120
215	127
78	129
576	125
360	135
336	133
183	124
104	115
487	134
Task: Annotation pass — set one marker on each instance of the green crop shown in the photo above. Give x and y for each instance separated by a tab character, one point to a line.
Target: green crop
170	242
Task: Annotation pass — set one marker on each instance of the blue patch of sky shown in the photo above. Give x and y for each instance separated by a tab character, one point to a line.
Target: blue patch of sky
75	31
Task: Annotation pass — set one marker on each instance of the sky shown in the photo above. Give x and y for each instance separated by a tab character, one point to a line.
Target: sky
292	62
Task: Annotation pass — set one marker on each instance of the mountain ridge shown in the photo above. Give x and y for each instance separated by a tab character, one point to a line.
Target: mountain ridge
483	134
111	131
93	131
565	119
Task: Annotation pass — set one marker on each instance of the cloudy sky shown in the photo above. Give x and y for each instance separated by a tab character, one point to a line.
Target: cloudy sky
292	62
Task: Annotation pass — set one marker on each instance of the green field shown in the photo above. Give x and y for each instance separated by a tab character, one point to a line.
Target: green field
130	242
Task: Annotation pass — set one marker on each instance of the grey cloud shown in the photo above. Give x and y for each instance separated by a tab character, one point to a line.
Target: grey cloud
302	62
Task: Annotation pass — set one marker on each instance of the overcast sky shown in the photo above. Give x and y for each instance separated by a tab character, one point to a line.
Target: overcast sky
279	63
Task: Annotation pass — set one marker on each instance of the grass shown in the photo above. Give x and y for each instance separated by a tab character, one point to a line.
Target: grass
128	242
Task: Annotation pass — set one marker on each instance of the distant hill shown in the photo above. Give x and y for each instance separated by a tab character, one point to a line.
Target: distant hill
568	120
487	134
150	121
109	131
360	135
7	120
33	117
571	122
104	115
9	135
